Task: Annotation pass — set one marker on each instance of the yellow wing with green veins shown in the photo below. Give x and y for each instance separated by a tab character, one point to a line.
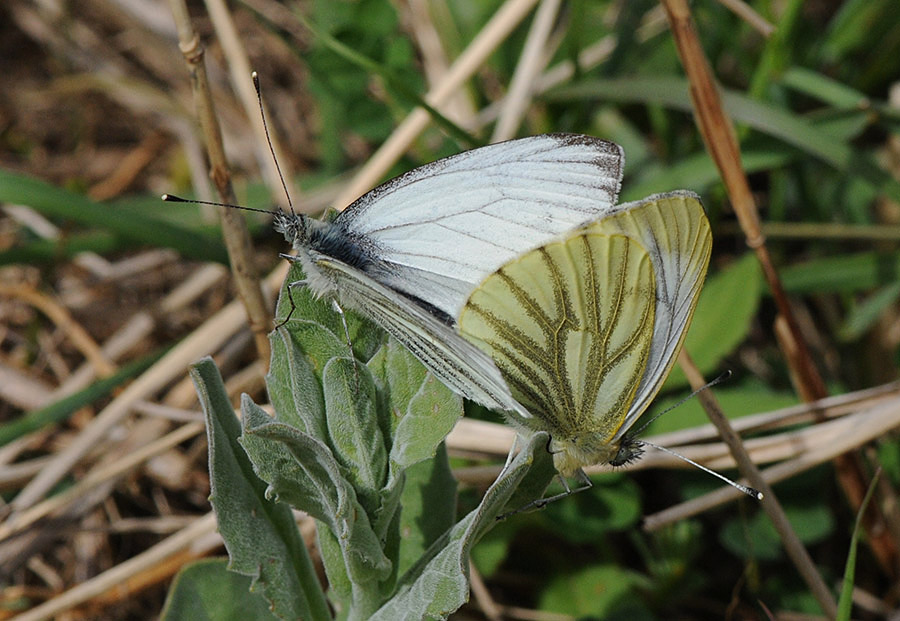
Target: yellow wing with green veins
585	328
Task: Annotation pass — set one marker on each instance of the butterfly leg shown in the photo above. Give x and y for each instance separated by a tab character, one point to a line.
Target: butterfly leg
584	483
290	287
340	311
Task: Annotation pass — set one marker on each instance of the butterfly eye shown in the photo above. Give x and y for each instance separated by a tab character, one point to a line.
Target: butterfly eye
630	450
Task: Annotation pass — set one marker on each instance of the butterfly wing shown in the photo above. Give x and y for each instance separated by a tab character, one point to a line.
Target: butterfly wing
437	231
570	325
586	328
674	230
452	359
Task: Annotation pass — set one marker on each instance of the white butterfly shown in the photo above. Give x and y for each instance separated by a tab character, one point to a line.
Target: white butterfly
409	253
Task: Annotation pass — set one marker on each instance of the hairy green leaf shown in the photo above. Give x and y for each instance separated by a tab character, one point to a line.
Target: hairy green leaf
261	537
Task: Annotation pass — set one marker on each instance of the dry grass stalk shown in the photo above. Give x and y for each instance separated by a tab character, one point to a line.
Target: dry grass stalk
234	227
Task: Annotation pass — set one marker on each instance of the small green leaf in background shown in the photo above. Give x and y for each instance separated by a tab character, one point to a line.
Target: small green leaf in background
757	538
206	590
601	591
724	315
491	551
612	504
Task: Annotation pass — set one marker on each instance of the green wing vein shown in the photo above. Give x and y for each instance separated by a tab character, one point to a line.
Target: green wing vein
565	343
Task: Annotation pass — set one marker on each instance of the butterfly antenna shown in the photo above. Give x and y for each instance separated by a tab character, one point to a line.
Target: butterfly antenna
262	113
171	198
722	378
750	491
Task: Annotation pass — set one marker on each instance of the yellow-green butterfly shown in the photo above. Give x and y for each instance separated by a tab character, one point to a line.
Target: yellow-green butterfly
585	328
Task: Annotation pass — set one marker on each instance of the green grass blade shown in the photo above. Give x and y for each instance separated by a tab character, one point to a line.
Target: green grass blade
843	273
823	88
42	251
845	604
137	227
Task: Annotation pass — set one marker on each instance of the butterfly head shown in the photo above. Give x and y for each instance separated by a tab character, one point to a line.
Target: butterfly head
294	227
630	449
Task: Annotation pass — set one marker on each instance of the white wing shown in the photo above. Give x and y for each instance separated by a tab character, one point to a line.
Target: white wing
452	359
673	228
437	231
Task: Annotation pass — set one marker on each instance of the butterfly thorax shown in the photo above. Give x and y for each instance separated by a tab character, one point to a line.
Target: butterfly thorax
587	449
318	242
571	454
